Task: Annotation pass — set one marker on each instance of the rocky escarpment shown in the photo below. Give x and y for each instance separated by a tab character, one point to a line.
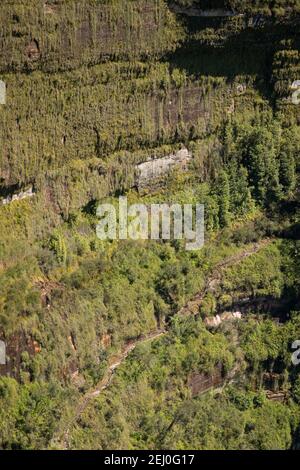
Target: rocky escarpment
154	170
19	196
57	34
59	130
17	348
203	382
50	121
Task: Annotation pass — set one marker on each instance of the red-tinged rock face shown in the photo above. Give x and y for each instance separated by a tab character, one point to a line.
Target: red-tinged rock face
17	344
201	383
106	341
32	50
50	9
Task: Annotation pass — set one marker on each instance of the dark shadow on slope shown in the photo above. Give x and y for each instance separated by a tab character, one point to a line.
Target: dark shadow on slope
248	52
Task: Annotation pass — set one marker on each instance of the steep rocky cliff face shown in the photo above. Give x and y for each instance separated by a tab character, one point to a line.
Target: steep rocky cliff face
119	113
54	35
126	105
96	88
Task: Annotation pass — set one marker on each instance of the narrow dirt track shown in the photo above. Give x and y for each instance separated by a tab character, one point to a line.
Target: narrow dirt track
114	363
191	308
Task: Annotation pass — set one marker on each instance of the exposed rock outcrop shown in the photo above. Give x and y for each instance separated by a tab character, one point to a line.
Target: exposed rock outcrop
28	193
17	344
106	341
153	170
218	319
73	33
51	8
201	383
33	51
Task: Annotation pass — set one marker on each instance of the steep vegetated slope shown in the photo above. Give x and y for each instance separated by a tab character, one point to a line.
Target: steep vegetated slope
93	90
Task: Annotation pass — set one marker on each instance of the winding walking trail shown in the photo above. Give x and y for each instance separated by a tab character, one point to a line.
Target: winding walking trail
191	308
114	363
